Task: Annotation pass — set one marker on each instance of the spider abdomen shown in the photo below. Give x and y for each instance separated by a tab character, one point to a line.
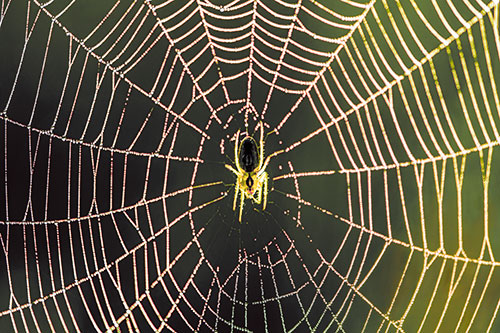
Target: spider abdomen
248	155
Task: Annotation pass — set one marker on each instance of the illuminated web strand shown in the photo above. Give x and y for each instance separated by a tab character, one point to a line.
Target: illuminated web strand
98	57
185	63
327	64
109	265
382	91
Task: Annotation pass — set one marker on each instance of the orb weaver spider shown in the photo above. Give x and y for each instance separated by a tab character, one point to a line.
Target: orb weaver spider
251	175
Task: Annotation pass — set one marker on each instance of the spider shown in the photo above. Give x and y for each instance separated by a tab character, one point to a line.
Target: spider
251	175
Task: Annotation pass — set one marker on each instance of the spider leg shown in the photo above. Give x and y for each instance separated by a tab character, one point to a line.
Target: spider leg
266	162
230	168
264	185
259	196
242	201
261	146
236	191
236	147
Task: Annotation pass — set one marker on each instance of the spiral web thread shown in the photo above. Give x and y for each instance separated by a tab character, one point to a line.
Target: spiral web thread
404	93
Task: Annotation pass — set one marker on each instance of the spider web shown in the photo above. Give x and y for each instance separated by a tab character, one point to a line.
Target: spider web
118	118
